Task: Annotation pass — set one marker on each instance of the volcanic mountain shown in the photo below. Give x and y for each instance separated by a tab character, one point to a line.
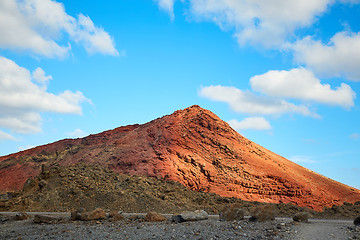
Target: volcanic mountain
191	146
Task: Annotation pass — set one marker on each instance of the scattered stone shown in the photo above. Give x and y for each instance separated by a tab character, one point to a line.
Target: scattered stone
263	213
46	219
231	213
97	214
301	217
357	221
29	184
154	217
42	183
116	216
77	214
190	216
21	216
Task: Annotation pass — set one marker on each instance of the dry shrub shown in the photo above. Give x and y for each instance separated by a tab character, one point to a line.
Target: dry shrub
231	213
301	217
263	213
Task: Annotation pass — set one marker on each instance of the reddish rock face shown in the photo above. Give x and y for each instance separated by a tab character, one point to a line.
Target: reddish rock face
191	146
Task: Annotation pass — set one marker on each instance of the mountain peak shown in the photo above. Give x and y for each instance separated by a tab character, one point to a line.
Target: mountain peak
192	146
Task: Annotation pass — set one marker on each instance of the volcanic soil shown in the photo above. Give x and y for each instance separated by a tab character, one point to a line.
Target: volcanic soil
62	189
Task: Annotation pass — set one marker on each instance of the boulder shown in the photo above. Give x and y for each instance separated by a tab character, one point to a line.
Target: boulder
21	216
231	213
190	216
42	183
301	217
116	216
46	219
357	221
154	217
77	214
263	213
97	214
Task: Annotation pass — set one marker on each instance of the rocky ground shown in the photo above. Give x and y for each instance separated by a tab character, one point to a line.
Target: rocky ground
137	228
62	189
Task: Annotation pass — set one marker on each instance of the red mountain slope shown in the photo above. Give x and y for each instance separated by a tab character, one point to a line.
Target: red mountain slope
194	147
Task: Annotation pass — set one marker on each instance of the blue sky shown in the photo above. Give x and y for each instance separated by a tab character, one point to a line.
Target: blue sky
285	74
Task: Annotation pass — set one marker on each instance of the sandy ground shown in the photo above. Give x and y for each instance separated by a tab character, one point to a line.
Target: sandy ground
132	228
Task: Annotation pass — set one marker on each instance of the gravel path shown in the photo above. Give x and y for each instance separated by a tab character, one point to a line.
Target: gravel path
207	229
326	230
133	228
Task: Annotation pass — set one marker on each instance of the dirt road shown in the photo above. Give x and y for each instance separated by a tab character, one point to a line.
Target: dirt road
281	228
325	229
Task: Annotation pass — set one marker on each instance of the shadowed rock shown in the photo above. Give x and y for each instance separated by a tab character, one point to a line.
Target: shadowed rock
46	219
190	216
357	221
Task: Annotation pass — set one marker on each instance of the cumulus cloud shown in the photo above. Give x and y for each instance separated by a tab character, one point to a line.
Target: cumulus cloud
21	100
38	25
300	83
339	58
23	148
250	103
6	136
39	76
167	6
268	23
254	123
77	133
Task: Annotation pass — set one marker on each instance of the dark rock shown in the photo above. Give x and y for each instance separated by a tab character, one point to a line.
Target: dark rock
29	184
21	216
46	219
190	216
42	183
357	221
76	215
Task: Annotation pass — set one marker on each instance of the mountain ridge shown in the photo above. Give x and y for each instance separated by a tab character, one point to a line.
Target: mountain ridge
192	146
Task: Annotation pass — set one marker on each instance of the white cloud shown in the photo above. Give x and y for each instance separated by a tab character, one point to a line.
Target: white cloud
300	83
355	136
6	136
249	103
37	25
39	76
267	23
78	133
23	148
167	6
254	123
21	100
94	39
339	58
302	159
